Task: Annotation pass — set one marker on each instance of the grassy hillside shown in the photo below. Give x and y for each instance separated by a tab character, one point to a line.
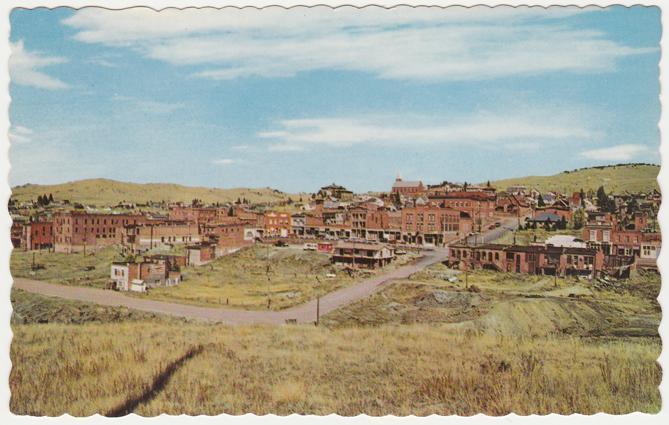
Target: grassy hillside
614	178
153	368
516	344
110	192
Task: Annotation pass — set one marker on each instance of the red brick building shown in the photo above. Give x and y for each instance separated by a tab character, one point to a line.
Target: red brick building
149	235
37	235
408	188
179	212
533	259
227	234
480	206
76	231
433	224
276	224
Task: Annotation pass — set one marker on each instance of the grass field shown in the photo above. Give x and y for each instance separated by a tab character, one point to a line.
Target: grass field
248	278
68	269
511	304
154	368
615	179
111	192
516	344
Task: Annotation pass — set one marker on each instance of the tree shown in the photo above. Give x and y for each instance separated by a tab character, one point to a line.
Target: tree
602	198
488	183
582	194
464	186
231	212
563	223
578	219
632	206
540	201
50	197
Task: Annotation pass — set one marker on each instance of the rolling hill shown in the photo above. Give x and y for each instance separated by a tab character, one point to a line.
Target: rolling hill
615	179
110	192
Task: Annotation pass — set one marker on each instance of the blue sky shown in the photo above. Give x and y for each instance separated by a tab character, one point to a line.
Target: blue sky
301	98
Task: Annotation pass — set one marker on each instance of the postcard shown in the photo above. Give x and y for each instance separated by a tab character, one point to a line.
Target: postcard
316	210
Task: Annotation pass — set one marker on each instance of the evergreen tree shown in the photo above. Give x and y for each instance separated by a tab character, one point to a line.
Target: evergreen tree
563	223
602	198
540	201
578	219
582	193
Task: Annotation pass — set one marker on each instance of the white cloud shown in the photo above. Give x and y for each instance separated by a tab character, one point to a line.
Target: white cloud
511	130
225	161
24	68
616	153
20	134
423	44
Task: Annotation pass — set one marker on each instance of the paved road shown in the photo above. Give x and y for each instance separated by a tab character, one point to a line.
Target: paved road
303	313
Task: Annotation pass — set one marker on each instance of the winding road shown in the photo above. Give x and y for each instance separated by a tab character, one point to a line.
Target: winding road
304	313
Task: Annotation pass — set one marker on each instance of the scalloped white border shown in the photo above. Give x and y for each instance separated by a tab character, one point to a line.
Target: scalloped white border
5	224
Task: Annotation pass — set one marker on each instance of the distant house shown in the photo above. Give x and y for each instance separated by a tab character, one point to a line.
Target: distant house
150	272
200	254
335	191
362	255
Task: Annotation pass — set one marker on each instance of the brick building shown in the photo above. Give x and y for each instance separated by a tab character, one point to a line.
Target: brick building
197	214
227	235
76	231
433	225
37	234
277	224
150	234
407	188
532	259
480	206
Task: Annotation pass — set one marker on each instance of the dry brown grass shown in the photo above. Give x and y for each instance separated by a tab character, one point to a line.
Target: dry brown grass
417	369
66	269
250	277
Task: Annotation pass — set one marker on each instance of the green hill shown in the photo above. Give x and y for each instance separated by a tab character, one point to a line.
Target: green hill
615	179
110	192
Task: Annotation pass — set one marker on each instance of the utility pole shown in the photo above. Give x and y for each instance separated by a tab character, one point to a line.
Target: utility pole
85	236
466	277
318	303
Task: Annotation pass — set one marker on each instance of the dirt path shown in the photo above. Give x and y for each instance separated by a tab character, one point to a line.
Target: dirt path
303	313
